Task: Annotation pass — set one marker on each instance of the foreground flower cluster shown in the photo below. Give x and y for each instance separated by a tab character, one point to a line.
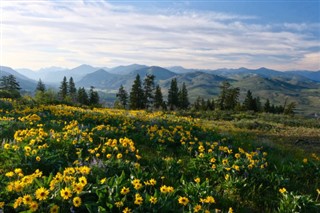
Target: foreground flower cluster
63	158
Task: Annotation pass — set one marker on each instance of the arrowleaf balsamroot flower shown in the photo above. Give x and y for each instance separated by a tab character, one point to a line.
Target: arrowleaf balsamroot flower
66	193
42	193
77	201
183	200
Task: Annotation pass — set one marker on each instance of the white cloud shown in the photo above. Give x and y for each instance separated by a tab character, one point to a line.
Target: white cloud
43	33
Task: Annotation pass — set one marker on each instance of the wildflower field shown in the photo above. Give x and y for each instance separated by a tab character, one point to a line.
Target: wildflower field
57	158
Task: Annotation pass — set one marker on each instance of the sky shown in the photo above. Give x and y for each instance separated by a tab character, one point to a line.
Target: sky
277	34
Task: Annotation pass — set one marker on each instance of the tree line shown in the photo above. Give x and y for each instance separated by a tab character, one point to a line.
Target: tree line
145	95
67	93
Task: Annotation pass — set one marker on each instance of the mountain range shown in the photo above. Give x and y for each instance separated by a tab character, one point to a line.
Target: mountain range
302	87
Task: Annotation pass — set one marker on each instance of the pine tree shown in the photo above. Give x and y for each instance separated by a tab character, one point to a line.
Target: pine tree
72	90
267	106
83	96
122	96
158	98
63	89
228	98
9	87
93	97
248	102
148	86
41	87
183	97
136	98
173	95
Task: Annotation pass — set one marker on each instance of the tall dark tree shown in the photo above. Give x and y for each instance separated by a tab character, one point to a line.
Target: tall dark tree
267	106
136	99
148	86
122	96
249	102
258	105
83	96
229	96
158	98
41	87
173	95
63	89
93	97
183	97
72	90
9	87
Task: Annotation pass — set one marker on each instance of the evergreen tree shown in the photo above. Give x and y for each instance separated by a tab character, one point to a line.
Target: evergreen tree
83	96
228	98
210	104
249	102
136	98
197	103
158	98
41	87
9	87
224	88
173	95
63	89
267	106
93	97
148	86
72	89
257	104
122	96
183	97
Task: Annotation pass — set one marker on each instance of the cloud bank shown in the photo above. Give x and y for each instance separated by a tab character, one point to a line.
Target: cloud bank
37	34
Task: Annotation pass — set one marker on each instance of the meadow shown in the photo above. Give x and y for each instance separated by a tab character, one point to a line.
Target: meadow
58	158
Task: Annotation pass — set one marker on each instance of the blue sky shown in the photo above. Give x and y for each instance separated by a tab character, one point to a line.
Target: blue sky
283	35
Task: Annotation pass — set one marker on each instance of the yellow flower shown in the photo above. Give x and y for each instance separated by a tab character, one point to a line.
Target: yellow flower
118	204
26	199
197	208
138	199
78	187
17	202
237	155
1	205
66	193
54	209
83	180
33	206
230	210
164	189
77	201
152	182
183	200
10	174
102	181
209	199
119	156
153	200
170	189
126	210
125	190
318	190
226	176
283	190
38	158
197	180
305	160
137	186
108	156
6	146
